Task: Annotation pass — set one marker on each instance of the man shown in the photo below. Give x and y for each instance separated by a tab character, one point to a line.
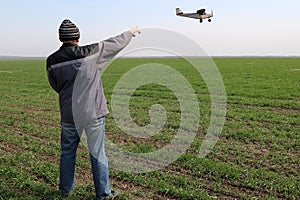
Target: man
74	73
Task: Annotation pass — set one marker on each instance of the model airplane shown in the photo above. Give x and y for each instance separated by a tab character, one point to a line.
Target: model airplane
200	14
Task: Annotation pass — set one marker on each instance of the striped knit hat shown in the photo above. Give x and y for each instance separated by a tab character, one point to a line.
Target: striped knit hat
68	31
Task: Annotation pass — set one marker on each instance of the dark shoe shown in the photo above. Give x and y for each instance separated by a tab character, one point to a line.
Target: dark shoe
67	194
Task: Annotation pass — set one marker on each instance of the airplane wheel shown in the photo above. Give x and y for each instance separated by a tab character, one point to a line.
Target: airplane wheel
209	20
201	20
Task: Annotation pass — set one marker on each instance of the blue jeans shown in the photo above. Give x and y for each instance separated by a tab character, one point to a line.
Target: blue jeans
70	138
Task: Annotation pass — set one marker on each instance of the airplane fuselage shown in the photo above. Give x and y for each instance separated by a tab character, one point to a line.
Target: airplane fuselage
195	15
200	14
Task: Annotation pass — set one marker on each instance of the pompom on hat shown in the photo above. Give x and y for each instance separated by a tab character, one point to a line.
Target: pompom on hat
68	31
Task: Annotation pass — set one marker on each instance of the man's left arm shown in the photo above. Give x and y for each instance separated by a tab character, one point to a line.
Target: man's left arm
111	47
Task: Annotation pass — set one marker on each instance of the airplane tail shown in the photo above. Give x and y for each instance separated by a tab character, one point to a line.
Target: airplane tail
178	11
212	13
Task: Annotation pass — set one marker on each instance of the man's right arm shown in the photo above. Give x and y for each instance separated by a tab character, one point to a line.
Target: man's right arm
51	79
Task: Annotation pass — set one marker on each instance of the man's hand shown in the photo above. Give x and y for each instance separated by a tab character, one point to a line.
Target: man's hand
135	30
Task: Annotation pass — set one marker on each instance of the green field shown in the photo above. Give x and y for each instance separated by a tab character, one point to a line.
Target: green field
256	157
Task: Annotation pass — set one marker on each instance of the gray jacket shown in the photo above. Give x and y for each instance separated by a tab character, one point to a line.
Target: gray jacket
74	73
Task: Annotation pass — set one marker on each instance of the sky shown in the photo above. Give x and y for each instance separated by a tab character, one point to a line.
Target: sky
247	27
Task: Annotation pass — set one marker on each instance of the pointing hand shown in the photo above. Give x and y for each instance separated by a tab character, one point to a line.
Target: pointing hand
135	30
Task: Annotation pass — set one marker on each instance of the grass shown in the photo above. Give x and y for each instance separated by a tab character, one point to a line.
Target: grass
256	157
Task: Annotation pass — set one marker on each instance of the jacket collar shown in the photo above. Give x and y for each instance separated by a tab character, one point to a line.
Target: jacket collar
68	44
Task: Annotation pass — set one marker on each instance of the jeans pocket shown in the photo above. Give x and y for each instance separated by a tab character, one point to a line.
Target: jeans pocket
101	121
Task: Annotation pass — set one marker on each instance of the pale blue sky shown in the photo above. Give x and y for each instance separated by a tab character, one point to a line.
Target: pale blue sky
247	27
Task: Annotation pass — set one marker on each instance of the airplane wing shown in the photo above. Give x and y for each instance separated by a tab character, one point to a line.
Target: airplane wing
201	11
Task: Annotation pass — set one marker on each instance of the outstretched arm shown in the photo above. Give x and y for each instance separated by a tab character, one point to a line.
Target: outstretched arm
111	47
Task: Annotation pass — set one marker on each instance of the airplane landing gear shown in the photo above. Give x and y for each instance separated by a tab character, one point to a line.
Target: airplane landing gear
209	20
201	20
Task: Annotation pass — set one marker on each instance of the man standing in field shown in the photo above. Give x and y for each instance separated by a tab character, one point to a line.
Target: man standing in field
74	73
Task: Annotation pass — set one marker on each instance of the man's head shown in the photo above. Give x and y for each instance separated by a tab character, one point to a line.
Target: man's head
68	31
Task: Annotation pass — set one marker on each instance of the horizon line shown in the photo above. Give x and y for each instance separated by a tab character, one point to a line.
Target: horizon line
5	57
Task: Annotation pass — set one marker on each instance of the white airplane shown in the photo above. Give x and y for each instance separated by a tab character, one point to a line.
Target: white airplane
200	14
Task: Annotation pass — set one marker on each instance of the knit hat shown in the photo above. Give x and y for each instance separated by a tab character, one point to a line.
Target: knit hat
68	31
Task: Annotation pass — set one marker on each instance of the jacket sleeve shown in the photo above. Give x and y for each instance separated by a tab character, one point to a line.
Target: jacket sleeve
52	81
111	47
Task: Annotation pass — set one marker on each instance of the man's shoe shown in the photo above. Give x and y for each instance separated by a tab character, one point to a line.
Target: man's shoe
113	194
67	194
